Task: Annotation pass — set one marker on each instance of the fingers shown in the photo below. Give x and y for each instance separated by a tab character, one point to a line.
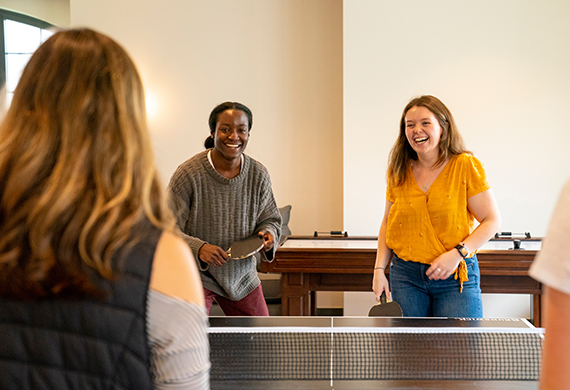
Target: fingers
431	270
220	257
444	265
268	240
435	272
213	255
379	295
216	260
380	284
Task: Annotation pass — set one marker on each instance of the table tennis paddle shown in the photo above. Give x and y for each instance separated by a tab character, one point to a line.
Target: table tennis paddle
246	247
385	309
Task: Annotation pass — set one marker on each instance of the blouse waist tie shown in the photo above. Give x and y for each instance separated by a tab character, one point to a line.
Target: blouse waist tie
461	270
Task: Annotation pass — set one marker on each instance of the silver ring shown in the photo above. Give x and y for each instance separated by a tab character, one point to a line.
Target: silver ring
438	270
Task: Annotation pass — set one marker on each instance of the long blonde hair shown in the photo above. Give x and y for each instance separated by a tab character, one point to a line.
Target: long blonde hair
451	143
77	174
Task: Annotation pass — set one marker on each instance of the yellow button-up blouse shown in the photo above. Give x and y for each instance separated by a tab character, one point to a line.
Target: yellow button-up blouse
421	226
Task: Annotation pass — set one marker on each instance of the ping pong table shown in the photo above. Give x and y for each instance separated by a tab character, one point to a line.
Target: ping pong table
371	353
309	264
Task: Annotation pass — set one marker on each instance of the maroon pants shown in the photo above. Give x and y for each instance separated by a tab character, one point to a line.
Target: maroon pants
252	305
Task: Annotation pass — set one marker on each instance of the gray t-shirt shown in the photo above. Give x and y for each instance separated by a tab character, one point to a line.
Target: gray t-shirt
178	340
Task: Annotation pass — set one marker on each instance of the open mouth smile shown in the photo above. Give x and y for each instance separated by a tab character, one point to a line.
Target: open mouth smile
420	141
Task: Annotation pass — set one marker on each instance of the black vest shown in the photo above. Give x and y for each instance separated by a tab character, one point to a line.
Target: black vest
86	344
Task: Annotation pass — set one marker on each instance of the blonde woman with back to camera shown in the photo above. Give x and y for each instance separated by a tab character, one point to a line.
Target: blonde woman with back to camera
96	288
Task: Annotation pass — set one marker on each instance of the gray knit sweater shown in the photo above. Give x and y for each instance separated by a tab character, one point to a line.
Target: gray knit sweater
212	209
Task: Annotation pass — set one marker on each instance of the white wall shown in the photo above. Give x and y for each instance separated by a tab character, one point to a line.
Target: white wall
502	69
281	58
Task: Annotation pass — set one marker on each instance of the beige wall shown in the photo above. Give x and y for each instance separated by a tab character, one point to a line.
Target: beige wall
55	12
282	58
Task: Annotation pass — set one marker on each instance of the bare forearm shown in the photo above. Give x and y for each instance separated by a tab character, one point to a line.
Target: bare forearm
556	354
485	209
383	252
482	233
379	281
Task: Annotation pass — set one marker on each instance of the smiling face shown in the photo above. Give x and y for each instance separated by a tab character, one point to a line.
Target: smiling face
423	131
231	134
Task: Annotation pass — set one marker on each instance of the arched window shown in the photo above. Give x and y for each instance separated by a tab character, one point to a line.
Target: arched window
21	36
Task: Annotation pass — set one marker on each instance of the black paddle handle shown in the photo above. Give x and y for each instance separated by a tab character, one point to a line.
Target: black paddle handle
332	233
383	297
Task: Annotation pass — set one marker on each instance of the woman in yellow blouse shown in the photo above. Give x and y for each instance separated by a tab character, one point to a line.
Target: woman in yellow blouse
436	190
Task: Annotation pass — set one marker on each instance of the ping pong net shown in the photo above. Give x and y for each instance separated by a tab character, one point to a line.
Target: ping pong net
309	348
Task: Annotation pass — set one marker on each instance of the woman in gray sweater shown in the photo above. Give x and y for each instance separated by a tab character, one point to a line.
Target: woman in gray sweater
222	195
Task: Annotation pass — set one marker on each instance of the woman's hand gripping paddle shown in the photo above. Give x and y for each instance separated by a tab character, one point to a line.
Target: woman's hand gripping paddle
385	309
246	247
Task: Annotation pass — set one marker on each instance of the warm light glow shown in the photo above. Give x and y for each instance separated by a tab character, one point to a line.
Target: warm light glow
152	106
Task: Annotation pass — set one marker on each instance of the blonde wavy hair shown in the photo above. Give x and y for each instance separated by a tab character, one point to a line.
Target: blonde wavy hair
77	176
451	142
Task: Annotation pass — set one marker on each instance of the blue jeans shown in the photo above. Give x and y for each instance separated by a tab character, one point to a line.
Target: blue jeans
421	297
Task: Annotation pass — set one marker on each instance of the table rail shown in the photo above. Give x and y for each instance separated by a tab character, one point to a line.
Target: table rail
306	270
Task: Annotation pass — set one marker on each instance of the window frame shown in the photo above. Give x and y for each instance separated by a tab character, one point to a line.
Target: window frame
17	17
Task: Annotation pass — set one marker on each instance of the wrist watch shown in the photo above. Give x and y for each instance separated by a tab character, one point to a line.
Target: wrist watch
462	249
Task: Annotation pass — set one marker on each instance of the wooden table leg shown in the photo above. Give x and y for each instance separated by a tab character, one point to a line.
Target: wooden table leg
313	301
295	297
537	310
